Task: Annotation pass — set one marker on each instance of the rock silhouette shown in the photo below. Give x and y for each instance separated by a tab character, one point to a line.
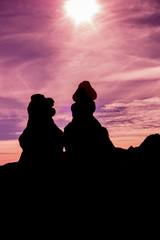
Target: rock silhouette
84	134
41	139
151	145
91	163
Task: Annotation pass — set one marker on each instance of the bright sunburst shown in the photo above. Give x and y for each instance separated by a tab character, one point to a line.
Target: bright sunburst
81	10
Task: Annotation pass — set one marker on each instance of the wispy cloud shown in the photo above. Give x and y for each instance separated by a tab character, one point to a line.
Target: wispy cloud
41	50
135	119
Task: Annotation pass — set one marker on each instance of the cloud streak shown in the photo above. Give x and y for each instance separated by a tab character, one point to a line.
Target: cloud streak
135	118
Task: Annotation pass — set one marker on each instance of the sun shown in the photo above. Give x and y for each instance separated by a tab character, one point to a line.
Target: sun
81	10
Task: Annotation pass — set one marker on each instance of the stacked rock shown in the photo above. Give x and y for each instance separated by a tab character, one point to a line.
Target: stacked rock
41	139
84	133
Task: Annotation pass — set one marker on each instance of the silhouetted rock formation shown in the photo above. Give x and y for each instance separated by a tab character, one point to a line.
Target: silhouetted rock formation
148	149
151	145
142	164
91	163
41	139
101	176
85	134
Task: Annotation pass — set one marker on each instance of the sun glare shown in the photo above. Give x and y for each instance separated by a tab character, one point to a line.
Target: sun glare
81	10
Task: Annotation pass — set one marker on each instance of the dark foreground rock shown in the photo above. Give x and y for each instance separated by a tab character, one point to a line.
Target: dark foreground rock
131	171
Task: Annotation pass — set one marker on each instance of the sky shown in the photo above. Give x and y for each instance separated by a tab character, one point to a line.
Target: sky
43	50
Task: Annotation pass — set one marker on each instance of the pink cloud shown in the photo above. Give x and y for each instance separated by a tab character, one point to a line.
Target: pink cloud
43	51
134	119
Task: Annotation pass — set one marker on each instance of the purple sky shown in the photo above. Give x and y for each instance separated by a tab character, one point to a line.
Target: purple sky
44	51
